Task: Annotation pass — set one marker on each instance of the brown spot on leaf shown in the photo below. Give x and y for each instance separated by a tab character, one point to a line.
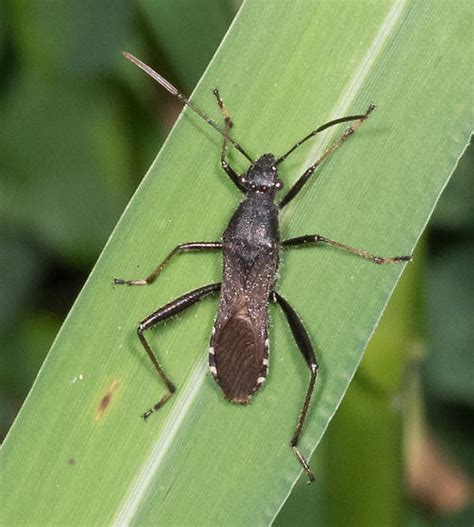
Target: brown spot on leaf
106	399
71	461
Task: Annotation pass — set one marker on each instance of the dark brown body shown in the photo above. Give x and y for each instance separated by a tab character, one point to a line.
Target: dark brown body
238	356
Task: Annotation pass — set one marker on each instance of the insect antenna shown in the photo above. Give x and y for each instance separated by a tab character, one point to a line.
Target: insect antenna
171	89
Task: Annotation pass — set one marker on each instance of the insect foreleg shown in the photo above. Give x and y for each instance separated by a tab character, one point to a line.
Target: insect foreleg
317	238
304	344
184	247
160	315
228	125
294	190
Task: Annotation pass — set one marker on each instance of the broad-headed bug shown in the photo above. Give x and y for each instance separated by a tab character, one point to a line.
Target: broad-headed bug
238	352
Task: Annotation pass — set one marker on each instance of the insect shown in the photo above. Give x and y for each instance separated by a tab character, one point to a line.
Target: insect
238	352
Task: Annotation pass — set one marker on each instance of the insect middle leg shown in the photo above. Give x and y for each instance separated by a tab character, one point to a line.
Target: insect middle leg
304	344
160	315
295	189
317	238
228	125
184	247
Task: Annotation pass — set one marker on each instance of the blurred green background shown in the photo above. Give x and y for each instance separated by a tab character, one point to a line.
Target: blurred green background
79	128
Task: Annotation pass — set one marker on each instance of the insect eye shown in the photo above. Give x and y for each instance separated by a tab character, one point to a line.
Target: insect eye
278	184
264	188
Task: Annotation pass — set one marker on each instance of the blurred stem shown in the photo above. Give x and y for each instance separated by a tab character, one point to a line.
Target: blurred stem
365	454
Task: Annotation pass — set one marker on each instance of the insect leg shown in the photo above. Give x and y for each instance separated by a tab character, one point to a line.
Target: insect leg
184	247
160	315
304	344
317	238
228	125
294	190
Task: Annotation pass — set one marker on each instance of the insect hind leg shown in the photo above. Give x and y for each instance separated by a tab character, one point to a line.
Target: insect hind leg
160	315
304	344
